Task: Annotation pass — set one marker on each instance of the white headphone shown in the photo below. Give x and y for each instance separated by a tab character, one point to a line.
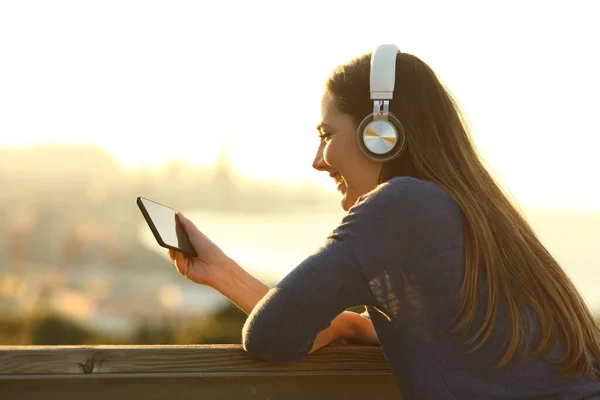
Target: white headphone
381	135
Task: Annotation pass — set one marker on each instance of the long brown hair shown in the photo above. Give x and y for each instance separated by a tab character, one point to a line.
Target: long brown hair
500	245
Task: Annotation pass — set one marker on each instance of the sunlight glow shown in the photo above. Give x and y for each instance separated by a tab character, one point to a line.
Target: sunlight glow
153	81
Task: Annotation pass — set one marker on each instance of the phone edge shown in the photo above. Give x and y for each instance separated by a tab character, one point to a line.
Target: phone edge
154	231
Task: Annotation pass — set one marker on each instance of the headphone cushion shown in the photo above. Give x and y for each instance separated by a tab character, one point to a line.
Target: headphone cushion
394	152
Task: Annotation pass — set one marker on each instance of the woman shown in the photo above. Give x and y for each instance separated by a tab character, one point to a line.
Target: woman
463	298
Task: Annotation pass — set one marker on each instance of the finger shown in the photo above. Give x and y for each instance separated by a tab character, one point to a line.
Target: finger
171	254
184	221
188	225
181	262
196	237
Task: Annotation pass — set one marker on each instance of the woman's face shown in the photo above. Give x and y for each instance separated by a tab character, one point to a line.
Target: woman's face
340	156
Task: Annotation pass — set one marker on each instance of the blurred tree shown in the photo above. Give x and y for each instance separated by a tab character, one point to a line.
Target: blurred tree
222	327
13	331
54	330
147	333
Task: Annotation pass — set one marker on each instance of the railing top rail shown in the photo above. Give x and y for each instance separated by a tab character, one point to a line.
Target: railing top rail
226	359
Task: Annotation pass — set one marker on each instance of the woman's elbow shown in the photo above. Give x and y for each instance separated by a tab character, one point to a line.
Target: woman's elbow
271	349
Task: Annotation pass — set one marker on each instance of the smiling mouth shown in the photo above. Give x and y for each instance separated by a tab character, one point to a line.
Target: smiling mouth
337	178
340	182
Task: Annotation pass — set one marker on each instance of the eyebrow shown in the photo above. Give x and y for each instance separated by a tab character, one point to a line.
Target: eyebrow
323	125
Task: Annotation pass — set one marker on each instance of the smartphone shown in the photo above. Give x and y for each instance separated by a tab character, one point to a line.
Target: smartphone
166	227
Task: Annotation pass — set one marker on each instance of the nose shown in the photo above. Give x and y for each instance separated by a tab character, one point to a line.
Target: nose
319	162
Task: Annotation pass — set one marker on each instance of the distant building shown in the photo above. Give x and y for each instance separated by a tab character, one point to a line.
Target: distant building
4	250
223	186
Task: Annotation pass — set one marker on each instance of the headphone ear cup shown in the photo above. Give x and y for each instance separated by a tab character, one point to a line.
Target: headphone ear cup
381	140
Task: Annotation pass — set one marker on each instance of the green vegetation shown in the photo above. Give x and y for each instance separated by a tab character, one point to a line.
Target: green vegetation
223	327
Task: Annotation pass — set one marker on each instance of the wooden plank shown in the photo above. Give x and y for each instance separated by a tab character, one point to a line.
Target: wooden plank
290	387
178	359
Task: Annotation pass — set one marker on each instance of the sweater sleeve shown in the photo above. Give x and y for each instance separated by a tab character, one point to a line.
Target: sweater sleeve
284	324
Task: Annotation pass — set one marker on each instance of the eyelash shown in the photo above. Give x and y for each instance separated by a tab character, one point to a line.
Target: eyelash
324	136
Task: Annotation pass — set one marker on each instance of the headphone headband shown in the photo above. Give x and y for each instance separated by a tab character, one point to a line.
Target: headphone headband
383	72
380	135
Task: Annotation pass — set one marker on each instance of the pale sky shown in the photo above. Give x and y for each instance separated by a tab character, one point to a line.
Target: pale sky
153	81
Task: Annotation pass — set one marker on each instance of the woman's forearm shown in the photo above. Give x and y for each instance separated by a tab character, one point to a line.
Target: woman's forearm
245	291
241	288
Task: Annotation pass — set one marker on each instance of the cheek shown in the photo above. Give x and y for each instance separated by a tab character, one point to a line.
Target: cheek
331	154
339	150
344	156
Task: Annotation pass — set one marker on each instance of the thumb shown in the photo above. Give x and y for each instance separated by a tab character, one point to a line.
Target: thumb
191	230
186	223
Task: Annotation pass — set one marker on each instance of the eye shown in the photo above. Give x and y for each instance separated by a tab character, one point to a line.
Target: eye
324	136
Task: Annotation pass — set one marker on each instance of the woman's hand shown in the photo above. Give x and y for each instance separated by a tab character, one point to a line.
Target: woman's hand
209	259
353	328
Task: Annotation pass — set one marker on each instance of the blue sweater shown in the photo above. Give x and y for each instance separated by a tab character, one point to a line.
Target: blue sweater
399	252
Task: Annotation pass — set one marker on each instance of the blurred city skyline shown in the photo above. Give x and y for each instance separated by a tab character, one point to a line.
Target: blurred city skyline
211	108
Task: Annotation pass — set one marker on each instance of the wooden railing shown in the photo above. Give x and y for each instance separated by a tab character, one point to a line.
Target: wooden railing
190	372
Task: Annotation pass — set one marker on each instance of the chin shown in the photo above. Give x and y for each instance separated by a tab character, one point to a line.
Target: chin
347	202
